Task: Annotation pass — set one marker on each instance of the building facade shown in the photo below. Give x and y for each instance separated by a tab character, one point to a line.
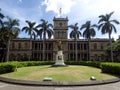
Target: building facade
20	48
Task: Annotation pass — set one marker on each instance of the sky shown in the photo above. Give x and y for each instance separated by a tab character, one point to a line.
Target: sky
77	11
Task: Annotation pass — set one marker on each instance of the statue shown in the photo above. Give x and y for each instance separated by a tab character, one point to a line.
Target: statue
59	55
59	44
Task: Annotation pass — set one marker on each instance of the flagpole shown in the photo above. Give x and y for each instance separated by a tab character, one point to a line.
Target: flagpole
60	11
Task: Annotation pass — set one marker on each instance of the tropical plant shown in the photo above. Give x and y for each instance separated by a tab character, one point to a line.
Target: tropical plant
10	31
45	28
89	32
116	50
106	25
2	45
30	29
1	17
75	33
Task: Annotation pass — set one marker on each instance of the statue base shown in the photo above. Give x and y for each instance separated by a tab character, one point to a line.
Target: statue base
59	59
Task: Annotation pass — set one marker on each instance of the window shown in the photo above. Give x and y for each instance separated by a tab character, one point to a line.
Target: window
81	46
78	46
101	46
18	56
58	34
60	24
95	56
85	46
26	45
41	45
19	45
13	45
71	47
95	45
50	46
36	45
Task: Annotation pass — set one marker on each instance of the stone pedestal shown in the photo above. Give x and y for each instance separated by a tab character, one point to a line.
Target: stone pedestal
59	59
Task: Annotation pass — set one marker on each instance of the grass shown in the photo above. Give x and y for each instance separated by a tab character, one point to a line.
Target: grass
70	73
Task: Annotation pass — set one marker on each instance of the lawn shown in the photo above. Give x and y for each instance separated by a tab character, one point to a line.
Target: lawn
70	73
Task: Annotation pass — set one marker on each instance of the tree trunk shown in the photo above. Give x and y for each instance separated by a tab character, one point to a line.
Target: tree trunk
76	49
30	46
30	49
89	58
44	45
111	52
43	49
8	50
3	57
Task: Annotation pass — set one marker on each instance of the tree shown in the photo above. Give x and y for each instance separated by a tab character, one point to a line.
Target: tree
2	45
45	28
106	25
30	29
75	34
1	17
10	31
89	32
116	50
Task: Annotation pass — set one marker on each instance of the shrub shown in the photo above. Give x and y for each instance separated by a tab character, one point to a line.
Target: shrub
12	66
37	63
85	63
6	68
111	68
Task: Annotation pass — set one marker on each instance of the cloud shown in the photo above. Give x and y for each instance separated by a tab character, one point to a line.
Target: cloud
20	0
55	5
77	10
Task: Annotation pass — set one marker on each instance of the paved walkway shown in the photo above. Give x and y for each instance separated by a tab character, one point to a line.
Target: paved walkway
112	86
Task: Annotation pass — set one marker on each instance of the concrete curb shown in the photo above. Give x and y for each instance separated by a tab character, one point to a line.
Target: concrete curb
50	83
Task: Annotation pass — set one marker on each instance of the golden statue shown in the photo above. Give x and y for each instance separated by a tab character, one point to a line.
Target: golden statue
59	44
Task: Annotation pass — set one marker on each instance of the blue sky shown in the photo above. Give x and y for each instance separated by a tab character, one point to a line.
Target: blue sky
76	10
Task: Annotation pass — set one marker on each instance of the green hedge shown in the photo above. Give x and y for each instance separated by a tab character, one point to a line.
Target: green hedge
6	68
111	68
12	66
85	63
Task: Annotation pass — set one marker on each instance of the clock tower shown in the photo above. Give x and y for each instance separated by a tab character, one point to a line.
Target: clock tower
60	28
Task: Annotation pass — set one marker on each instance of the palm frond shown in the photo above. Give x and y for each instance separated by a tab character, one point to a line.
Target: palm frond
1	15
115	21
114	28
110	14
25	28
100	26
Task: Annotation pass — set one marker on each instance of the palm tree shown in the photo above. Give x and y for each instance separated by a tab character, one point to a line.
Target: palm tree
1	17
30	29
45	29
106	25
1	30
75	34
89	32
11	30
3	41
